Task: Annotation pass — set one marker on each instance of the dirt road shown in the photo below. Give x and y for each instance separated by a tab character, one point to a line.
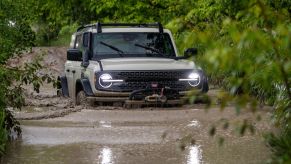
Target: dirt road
56	132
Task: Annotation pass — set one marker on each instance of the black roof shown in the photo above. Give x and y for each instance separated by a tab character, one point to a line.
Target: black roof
99	26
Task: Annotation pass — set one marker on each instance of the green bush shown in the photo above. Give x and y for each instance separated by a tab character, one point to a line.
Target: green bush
16	37
3	132
64	36
281	147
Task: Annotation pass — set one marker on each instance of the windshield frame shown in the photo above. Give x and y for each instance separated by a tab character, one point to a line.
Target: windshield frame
125	55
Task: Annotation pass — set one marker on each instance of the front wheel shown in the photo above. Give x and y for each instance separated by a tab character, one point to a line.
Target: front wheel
81	98
59	88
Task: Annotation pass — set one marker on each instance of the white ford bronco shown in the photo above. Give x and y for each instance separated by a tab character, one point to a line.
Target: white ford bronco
128	63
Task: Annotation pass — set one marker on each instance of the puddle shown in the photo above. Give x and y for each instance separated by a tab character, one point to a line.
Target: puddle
33	135
81	145
130	137
88	153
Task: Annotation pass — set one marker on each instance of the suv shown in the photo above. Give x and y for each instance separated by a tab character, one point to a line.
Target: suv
128	63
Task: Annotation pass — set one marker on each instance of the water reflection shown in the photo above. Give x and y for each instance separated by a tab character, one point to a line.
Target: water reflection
105	124
195	155
105	156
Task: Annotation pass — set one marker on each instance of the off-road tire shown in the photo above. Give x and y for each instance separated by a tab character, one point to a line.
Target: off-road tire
81	98
60	92
59	88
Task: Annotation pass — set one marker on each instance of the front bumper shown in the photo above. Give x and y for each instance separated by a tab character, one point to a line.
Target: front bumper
123	95
127	102
112	97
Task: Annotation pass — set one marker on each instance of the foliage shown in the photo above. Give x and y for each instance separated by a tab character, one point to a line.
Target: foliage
281	146
50	16
3	132
64	36
16	37
247	51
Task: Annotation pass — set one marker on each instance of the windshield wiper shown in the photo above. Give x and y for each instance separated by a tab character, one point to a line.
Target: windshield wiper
150	48
120	52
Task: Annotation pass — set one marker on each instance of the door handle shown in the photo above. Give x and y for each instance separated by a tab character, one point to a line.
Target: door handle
74	71
68	70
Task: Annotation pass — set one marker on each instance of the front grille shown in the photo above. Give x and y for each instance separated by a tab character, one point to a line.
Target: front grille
135	80
128	86
152	75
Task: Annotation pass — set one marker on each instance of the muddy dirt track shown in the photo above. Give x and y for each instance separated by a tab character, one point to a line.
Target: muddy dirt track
56	132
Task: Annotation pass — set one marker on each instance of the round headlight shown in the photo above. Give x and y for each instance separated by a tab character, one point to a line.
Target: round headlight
102	80
194	79
193	75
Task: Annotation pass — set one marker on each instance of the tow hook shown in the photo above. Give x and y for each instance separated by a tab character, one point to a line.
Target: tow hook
156	98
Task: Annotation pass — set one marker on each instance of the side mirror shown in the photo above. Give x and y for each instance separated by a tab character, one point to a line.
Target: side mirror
74	55
190	52
86	39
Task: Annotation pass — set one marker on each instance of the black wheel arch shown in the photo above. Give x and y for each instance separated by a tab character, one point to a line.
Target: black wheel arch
62	84
84	85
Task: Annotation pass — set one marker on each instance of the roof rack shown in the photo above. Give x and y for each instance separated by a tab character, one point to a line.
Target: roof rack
99	26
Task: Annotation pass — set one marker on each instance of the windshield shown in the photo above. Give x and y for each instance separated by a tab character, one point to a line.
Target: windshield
108	45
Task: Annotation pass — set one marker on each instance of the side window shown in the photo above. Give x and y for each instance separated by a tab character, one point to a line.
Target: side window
78	41
169	49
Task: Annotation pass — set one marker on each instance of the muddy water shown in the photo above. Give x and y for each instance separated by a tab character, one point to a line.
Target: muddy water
138	136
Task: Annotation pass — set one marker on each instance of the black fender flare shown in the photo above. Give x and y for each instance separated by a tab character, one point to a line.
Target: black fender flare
86	86
64	85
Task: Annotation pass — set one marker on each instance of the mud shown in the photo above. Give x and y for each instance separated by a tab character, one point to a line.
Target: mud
53	60
36	113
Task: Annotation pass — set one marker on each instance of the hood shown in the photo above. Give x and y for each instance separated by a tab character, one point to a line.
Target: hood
145	63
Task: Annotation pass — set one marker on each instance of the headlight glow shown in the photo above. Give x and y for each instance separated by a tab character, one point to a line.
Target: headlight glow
193	79
105	77
102	80
194	76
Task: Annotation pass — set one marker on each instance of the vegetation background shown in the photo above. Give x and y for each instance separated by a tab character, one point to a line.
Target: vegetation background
244	46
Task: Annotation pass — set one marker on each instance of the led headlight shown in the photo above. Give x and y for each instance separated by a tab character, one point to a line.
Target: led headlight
106	81
103	80
193	79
